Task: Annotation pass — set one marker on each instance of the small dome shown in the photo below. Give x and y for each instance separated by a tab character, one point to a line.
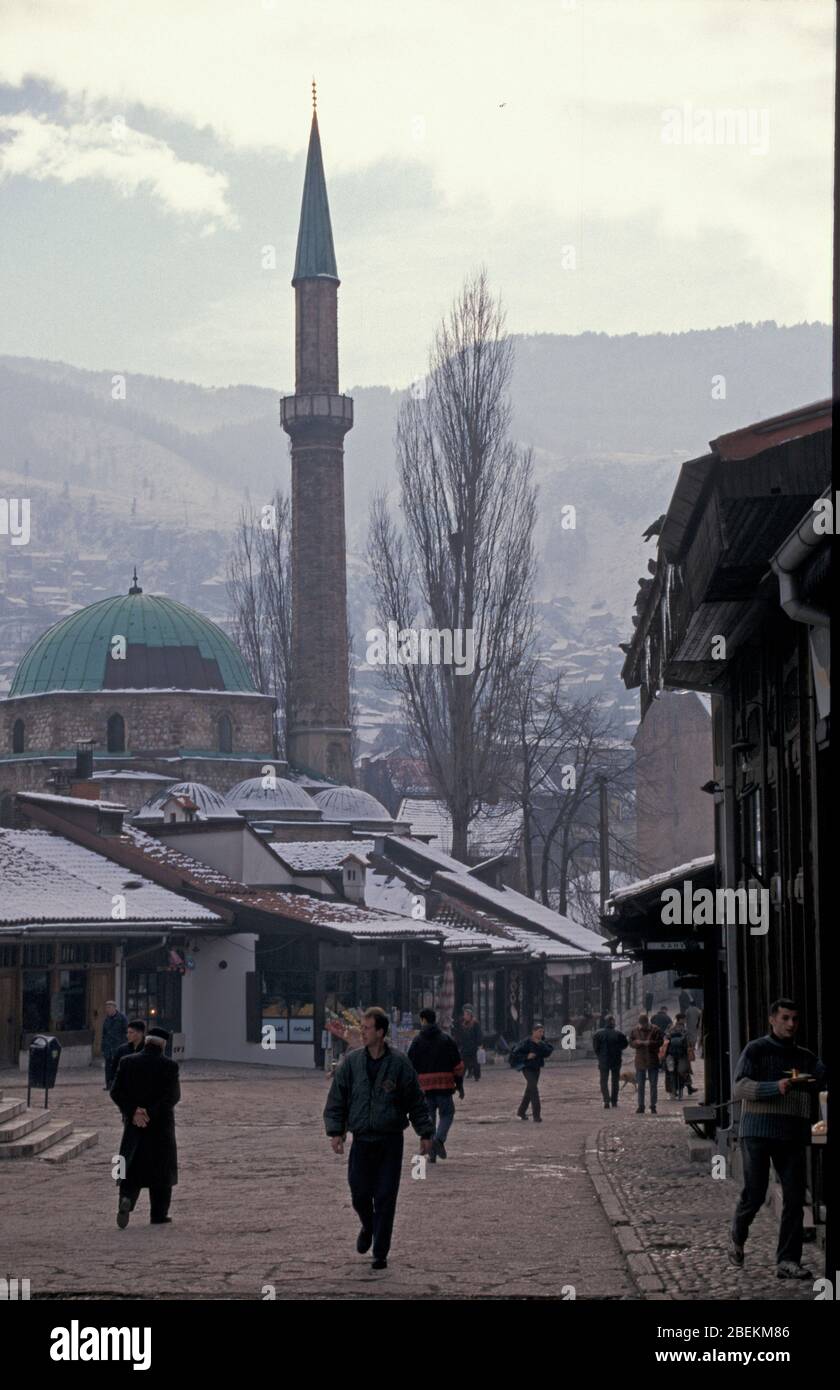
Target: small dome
350	804
211	805
252	797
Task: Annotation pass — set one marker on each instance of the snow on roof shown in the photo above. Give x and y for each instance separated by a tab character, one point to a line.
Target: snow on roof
645	885
317	856
47	878
456	877
493	831
52	797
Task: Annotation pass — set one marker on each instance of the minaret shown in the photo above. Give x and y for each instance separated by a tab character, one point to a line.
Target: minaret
316	418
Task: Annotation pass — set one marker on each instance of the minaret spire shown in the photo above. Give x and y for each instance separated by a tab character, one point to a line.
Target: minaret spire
317	418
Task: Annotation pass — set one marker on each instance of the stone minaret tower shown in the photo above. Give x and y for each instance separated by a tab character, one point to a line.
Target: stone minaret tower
317	418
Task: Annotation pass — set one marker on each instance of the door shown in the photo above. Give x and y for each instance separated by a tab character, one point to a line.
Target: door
100	990
9	1039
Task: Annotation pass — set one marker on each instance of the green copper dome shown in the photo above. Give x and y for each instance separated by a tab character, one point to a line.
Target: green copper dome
166	647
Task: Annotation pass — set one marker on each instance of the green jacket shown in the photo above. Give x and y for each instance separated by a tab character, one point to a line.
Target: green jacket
369	1112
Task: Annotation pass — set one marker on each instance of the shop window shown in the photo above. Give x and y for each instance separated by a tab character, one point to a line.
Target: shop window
36	1001
38	954
18	736
288	1004
484	999
225	731
69	1004
116	734
425	989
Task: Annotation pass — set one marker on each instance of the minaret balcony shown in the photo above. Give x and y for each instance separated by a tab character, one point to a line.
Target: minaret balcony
319	408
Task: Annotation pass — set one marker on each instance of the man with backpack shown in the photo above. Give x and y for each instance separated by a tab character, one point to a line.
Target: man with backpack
529	1057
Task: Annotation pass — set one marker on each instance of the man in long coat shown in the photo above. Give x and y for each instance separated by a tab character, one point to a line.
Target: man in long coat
147	1089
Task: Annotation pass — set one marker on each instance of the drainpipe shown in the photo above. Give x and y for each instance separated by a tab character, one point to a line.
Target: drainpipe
787	560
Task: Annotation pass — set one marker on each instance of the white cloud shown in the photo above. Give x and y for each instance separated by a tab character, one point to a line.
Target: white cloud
129	160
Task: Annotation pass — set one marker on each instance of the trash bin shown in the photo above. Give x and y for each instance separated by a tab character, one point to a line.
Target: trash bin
44	1057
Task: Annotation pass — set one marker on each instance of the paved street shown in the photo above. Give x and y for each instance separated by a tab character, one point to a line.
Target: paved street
263	1201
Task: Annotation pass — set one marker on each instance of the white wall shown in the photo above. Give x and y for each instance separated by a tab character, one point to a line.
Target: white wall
213	1018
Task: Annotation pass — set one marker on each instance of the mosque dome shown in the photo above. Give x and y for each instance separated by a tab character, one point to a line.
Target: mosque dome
280	797
167	647
350	804
211	805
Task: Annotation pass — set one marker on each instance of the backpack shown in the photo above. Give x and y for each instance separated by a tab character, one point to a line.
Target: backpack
516	1058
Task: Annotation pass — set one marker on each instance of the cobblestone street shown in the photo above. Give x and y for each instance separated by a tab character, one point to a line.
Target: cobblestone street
263	1201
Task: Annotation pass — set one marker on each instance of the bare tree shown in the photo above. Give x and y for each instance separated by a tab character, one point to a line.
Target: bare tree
259	591
464	559
560	750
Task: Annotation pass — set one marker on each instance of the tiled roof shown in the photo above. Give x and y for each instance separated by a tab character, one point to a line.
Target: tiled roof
493	831
47	878
317	856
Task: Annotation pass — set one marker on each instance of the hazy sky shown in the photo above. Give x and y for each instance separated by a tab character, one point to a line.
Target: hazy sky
580	149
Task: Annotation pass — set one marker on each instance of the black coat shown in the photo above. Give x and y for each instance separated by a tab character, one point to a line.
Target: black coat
113	1032
609	1043
148	1081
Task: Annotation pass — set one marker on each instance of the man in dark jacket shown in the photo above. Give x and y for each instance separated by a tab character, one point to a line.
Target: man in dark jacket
777	1083
468	1036
531	1055
437	1061
114	1031
136	1037
374	1094
662	1019
147	1089
609	1043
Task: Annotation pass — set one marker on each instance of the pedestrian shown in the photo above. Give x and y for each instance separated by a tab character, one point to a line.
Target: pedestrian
646	1039
648	1001
468	1036
684	999
136	1036
374	1094
531	1056
609	1043
114	1035
662	1019
146	1089
692	1023
677	1058
437	1061
777	1083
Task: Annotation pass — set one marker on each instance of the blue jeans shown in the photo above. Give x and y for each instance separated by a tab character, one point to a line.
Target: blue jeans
652	1074
442	1102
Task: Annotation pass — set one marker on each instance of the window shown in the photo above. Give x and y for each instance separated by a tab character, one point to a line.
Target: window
484	999
69	1005
116	734
18	736
288	1004
425	989
8	955
225	730
40	954
36	1000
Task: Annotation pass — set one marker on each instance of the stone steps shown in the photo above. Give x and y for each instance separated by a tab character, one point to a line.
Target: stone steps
24	1122
36	1140
9	1109
71	1146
